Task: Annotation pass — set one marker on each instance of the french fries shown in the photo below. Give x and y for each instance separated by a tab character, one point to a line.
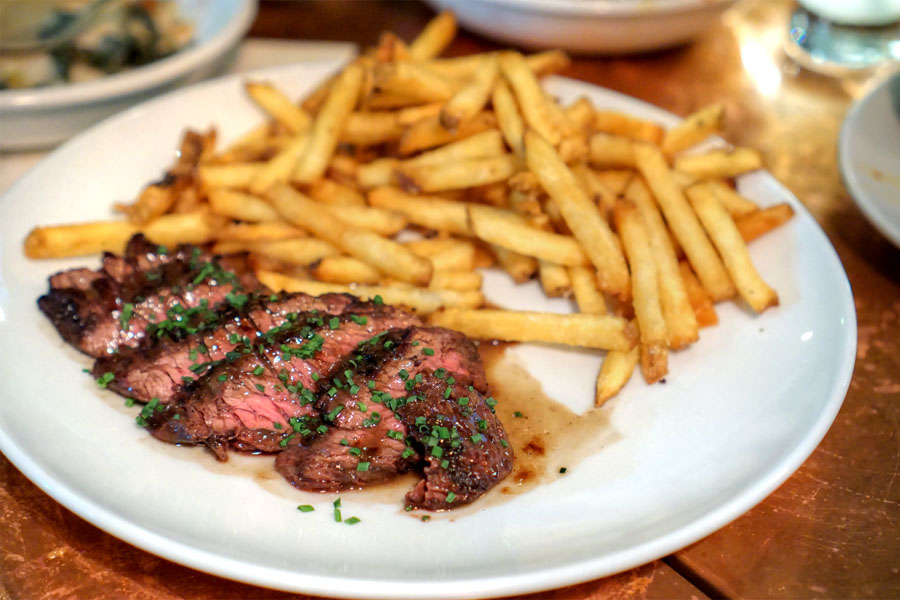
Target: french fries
731	246
405	174
645	291
507	230
587	331
580	215
79	239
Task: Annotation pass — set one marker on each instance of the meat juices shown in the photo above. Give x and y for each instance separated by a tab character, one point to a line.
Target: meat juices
346	393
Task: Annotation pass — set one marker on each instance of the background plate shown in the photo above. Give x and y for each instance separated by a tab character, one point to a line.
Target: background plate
740	411
869	156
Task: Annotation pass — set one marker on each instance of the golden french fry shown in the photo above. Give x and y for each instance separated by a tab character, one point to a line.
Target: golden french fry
428	132
426	211
683	223
296	251
595	188
587	331
573	149
422	301
461	281
323	135
615	180
731	246
62	241
390	48
695	128
508	230
615	372
531	99
762	221
386	255
463	68
268	231
434	38
412	81
370	128
520	267
701	301
155	200
282	165
581	114
618	123
554	279
457	175
736	205
184	228
383	222
676	307
407	116
470	99
343	169
607	150
344	269
508	118
279	106
547	62
644	291
331	192
241	206
580	215
235	175
720	163
445	254
587	294
378	172
488	143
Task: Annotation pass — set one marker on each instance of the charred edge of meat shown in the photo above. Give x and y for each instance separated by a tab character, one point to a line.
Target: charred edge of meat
275	377
464	444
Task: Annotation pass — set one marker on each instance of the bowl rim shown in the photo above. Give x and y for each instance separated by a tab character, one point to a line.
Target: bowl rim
137	80
611	8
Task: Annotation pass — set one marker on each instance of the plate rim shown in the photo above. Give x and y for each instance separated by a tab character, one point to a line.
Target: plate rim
869	207
555	577
138	80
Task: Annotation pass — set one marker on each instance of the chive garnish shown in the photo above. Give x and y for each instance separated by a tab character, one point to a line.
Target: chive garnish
306	508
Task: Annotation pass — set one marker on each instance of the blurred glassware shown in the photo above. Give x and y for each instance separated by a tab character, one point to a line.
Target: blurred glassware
838	37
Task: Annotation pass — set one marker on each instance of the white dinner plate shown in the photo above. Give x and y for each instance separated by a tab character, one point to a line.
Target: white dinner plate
869	156
740	411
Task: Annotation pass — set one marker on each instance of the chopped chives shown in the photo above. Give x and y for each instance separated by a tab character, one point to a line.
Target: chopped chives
450	497
363	466
306	508
352	521
428	351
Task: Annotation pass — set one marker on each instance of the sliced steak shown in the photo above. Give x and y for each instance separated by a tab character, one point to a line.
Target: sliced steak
408	396
163	369
262	400
168	292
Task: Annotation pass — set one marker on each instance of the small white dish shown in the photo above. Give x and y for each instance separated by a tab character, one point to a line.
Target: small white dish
669	463
869	156
38	118
588	26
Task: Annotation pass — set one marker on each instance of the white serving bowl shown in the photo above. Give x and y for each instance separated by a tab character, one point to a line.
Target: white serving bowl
38	118
588	26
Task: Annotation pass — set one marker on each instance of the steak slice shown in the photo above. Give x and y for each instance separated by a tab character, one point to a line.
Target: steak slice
263	399
143	289
163	369
408	396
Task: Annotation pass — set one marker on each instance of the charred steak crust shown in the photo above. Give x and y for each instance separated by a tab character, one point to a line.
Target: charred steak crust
406	396
148	287
164	368
261	397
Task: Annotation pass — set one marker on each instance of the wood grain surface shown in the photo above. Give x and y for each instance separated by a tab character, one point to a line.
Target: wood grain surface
831	531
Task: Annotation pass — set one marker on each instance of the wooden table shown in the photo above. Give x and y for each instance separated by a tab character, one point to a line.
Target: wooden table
832	530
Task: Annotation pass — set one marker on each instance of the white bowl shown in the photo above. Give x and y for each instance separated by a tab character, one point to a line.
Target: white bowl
42	117
588	26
